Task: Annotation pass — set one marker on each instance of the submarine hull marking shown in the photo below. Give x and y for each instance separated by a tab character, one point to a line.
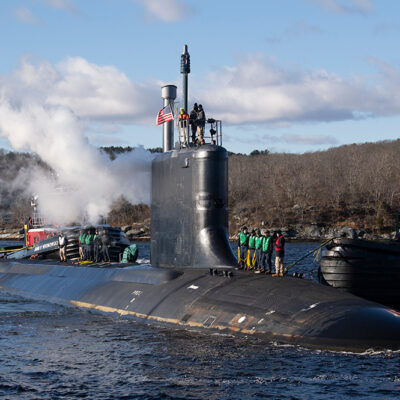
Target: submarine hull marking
170	320
209	321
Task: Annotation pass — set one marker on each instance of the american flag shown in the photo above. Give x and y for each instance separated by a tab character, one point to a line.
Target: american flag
163	117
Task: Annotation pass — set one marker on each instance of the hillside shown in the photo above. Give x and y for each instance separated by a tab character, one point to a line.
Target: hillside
353	185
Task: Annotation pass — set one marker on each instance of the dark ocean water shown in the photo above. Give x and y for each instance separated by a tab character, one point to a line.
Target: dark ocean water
51	352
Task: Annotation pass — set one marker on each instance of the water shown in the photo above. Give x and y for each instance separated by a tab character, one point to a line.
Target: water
51	352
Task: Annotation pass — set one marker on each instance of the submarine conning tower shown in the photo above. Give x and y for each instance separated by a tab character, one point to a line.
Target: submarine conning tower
189	205
189	208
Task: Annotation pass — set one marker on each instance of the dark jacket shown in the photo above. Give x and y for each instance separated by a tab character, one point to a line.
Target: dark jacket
201	118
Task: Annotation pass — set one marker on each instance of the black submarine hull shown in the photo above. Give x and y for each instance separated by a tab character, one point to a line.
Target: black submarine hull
285	310
189	238
367	269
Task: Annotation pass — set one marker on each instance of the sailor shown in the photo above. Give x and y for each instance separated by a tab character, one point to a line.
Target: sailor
96	246
258	243
251	261
279	253
81	241
62	244
184	125
192	121
105	244
200	122
89	245
243	247
130	254
267	248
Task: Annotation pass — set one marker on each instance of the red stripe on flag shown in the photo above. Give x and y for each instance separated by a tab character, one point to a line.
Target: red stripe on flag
162	118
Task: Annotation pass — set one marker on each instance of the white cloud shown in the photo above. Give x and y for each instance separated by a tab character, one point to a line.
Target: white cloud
257	91
347	6
287	138
91	92
313	140
26	16
166	10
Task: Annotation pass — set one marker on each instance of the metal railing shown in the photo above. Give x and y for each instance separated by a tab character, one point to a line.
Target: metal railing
38	220
189	134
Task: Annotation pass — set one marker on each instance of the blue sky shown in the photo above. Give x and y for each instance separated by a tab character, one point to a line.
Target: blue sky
287	75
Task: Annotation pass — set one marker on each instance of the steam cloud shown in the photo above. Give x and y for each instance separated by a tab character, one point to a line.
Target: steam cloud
85	181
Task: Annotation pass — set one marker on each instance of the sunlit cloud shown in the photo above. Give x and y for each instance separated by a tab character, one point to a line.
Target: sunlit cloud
259	91
91	92
166	10
313	140
254	92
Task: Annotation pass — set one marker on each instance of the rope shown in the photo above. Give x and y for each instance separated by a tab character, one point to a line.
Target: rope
315	251
14	250
9	250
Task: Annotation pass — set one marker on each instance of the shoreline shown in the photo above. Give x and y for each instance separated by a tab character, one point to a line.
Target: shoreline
309	233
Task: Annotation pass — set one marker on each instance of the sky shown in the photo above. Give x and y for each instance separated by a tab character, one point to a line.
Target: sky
287	76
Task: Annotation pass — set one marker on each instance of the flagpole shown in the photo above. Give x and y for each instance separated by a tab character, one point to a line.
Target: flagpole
168	93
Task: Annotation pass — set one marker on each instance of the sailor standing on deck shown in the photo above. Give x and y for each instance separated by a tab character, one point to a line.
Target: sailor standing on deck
279	253
97	247
105	244
184	125
81	241
89	245
251	261
267	251
258	243
192	121
243	247
62	244
201	123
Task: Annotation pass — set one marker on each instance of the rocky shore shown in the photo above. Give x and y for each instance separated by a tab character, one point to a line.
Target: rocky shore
320	233
141	232
11	234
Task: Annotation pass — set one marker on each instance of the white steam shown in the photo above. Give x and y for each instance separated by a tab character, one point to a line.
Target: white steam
85	182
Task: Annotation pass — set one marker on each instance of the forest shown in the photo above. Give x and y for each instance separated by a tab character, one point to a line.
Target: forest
354	185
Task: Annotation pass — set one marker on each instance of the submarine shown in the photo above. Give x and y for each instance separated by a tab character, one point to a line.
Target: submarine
192	281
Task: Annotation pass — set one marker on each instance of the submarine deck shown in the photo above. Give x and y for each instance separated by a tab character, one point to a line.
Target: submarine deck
285	309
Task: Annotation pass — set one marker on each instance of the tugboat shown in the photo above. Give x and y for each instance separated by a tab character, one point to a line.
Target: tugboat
193	282
41	239
367	269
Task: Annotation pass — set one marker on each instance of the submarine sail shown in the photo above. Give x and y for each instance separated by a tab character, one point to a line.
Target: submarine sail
189	222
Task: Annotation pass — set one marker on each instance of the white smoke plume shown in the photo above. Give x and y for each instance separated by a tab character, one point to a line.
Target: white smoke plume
85	181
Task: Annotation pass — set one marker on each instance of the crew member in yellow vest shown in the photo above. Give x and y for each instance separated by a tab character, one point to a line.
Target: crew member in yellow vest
251	262
184	125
